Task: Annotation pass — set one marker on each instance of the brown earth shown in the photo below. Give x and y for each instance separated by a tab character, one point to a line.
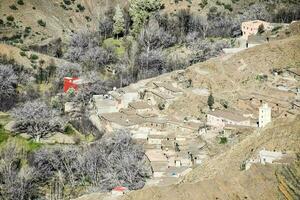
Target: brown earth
221	177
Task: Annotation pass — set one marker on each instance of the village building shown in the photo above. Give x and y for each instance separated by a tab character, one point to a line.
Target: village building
269	156
117	120
156	140
158	98
124	96
158	161
221	118
168	88
265	115
129	95
183	159
252	27
140	107
140	134
184	126
104	104
71	83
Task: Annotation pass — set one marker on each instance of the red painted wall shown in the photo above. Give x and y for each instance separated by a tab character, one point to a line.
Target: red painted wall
69	83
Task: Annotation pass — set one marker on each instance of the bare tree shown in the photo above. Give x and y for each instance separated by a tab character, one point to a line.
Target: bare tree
97	57
106	26
8	85
17	181
153	37
116	161
37	119
79	43
204	25
151	63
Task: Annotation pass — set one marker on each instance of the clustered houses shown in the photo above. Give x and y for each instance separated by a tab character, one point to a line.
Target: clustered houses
167	140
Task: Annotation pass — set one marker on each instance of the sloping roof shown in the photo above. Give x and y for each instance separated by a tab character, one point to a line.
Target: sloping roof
167	86
228	115
140	105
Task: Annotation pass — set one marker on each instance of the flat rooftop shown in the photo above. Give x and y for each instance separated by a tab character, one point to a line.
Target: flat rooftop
167	86
139	105
156	155
228	115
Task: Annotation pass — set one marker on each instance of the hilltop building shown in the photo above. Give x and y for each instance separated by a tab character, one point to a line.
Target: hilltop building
264	115
251	27
269	156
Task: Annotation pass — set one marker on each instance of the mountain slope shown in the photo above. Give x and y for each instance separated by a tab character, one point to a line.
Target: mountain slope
60	18
221	177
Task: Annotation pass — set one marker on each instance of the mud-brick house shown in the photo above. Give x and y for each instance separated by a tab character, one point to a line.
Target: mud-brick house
140	107
117	120
124	96
158	161
183	159
158	98
269	156
251	27
221	118
104	104
167	87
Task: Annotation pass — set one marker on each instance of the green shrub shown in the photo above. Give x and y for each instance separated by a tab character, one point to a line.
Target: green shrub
41	23
1	22
67	2
24	48
223	140
80	7
3	134
69	130
88	18
64	6
34	57
20	2
13	7
10	18
228	7
22	53
27	31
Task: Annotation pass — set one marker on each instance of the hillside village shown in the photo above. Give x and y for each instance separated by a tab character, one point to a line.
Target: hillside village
142	99
175	143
